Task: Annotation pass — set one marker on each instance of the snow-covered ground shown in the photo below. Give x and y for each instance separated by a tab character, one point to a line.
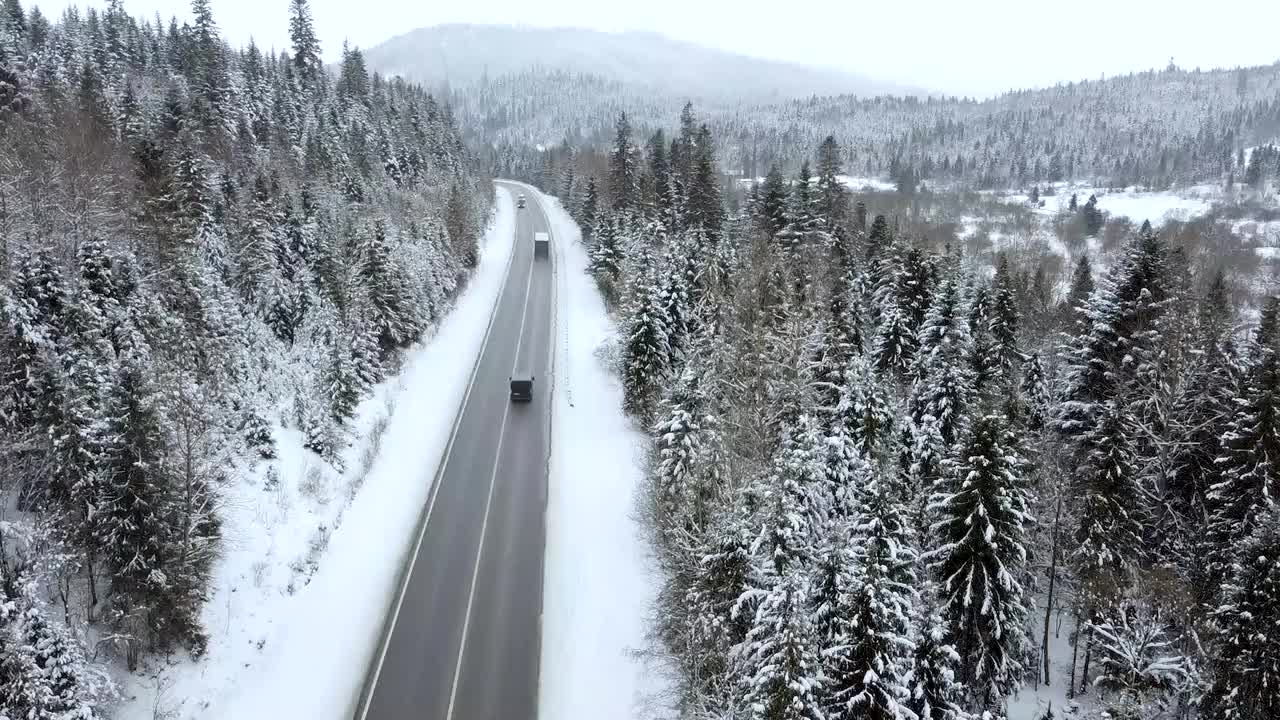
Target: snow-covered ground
598	583
1032	701
312	560
863	183
1133	203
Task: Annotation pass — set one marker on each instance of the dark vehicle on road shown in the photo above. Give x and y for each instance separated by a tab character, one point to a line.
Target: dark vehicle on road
541	244
520	201
521	388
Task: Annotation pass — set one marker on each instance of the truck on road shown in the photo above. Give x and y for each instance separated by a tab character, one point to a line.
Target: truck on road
541	245
521	388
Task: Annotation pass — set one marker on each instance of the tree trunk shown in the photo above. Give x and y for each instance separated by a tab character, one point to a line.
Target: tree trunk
93	583
1088	655
1075	652
1053	576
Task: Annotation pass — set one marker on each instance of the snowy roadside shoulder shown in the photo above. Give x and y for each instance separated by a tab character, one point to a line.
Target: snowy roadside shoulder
299	598
599	584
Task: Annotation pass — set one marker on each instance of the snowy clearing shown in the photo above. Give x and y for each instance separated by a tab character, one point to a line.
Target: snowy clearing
1133	203
599	585
865	183
312	560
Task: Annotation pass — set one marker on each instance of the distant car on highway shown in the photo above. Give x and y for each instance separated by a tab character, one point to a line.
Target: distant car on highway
520	201
521	388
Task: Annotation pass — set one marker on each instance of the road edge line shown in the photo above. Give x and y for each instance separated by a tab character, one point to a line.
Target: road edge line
365	698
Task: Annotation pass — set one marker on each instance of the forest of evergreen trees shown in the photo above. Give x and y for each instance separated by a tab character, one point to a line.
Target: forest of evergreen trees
882	472
199	245
1153	128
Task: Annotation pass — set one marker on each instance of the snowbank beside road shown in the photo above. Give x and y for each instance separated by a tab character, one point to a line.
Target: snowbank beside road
598	585
311	566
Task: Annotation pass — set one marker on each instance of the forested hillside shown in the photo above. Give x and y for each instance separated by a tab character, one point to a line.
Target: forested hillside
200	246
887	477
470	55
1154	128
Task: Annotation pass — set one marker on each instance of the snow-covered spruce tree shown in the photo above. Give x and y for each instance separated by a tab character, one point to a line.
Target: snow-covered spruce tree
390	304
771	210
833	198
897	298
624	171
1105	372
606	256
1074	310
945	387
778	663
868	658
1108	538
1035	394
1249	467
1004	322
1200	417
1246	683
934	692
589	210
982	510
983	357
645	348
703	209
139	526
42	668
686	475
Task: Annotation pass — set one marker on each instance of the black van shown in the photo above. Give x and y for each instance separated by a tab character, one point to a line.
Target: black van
521	388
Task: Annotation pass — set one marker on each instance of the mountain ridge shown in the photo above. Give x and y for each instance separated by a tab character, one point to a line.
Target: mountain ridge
464	54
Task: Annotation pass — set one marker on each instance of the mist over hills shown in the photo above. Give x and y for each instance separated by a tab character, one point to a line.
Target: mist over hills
460	54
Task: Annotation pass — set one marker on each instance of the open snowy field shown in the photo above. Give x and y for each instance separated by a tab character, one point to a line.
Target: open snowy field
1136	204
598	584
313	553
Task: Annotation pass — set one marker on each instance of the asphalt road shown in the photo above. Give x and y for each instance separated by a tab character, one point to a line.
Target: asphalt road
465	635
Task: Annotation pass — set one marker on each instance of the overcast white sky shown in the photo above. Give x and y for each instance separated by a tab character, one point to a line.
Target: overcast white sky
975	47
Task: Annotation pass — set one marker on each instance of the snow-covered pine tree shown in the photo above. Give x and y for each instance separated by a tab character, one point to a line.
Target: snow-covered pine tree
589	209
779	662
1074	309
772	208
138	531
901	297
390	304
982	509
945	386
1035	394
983	355
606	256
1246	684
703	207
686	439
624	173
868	663
934	692
716	621
1004	322
833	198
1108	538
1249	467
646	347
1200	417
